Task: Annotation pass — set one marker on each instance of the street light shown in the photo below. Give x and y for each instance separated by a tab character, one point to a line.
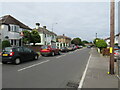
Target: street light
53	26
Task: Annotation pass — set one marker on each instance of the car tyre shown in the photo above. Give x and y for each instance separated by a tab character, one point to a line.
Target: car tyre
17	61
53	54
36	57
4	62
59	53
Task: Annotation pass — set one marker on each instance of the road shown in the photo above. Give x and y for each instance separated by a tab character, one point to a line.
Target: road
47	72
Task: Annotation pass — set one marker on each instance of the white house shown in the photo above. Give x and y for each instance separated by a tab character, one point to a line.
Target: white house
10	29
116	39
47	37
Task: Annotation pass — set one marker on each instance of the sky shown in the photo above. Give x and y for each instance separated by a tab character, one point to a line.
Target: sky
74	19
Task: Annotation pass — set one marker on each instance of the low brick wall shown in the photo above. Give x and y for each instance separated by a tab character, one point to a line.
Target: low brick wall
35	48
106	51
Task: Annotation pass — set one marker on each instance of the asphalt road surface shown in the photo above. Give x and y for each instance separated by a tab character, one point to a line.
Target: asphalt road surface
47	72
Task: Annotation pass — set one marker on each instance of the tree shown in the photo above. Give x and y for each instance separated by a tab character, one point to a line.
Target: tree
27	37
5	43
85	42
101	44
76	41
96	40
35	37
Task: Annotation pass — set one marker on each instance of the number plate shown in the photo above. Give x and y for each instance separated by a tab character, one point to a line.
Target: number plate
5	54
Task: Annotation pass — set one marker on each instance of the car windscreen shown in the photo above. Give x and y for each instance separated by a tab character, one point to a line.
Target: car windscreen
44	47
8	49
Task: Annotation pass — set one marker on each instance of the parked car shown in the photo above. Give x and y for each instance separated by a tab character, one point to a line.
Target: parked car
74	47
49	50
80	46
17	55
77	47
70	48
88	46
116	54
64	49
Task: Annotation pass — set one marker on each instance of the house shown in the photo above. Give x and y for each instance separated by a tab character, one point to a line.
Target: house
47	37
116	39
63	41
10	29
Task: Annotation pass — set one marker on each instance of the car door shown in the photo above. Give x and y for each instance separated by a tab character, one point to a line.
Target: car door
27	53
21	53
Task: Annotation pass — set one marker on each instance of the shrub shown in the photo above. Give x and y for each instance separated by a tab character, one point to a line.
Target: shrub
5	43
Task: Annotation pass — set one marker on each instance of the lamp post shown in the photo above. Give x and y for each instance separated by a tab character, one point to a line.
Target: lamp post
112	26
53	26
96	35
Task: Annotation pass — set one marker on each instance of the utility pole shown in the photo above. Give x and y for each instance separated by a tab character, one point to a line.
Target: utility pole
112	26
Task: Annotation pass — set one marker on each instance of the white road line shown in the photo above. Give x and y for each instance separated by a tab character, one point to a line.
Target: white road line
33	65
59	56
84	74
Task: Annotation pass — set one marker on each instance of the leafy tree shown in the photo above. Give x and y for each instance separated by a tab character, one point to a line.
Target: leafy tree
5	43
101	44
96	40
85	42
76	41
35	37
27	37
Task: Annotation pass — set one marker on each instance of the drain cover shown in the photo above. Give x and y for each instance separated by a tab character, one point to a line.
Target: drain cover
72	84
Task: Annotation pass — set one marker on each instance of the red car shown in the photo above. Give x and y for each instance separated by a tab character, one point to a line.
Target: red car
49	50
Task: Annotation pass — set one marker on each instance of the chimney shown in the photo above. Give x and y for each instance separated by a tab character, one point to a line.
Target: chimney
44	27
37	25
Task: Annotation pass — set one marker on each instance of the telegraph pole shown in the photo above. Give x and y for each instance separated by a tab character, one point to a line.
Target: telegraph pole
112	26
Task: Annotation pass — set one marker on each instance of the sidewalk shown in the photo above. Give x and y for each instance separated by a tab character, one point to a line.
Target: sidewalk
96	76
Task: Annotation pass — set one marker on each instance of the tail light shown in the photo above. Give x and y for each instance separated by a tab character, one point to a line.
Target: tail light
116	53
0	53
48	48
40	49
11	53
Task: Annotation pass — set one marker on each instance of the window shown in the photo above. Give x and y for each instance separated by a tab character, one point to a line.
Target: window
15	42
14	28
11	42
20	49
27	50
45	35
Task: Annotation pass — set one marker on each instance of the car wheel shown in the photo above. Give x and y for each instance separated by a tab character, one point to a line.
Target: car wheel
53	54
59	53
4	62
17	61
36	57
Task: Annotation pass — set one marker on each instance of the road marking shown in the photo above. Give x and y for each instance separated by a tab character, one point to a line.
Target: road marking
33	65
84	74
59	56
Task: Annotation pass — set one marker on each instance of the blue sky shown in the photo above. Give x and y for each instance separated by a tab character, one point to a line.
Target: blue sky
75	19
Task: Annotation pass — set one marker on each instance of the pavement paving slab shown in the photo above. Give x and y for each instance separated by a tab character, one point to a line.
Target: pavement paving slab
96	76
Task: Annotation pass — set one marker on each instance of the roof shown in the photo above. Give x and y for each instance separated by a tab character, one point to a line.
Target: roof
8	19
61	36
45	31
114	36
